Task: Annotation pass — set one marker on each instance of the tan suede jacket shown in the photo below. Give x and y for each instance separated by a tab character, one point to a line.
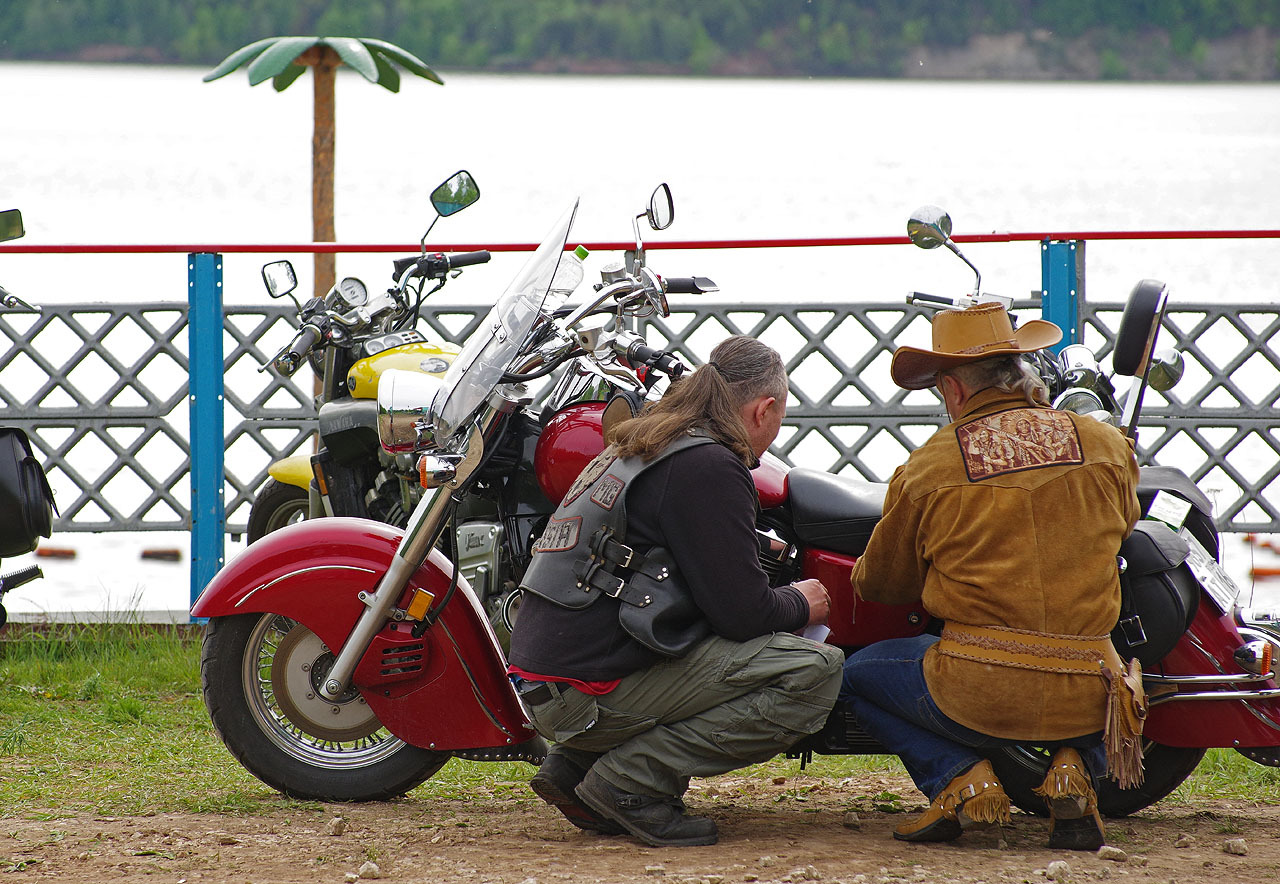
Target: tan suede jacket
1010	517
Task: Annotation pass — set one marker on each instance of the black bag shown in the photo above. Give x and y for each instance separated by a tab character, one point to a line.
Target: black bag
26	500
1158	593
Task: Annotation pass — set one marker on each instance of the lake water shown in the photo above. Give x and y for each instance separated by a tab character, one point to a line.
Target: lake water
124	154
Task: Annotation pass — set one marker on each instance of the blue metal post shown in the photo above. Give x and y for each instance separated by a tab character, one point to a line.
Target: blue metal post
1062	287
204	329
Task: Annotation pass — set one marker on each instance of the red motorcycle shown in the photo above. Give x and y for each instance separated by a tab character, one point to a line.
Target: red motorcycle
348	660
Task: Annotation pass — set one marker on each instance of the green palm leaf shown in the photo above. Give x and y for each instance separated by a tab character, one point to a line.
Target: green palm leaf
354	53
405	58
237	58
388	76
275	59
285	78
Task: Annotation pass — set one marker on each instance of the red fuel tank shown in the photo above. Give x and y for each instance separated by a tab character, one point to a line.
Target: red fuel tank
568	442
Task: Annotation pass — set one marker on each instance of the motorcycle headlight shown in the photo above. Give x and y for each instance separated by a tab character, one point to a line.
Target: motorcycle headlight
1078	365
1079	400
406	420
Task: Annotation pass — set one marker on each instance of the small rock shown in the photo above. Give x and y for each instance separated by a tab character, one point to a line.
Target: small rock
529	881
1115	854
370	870
1184	840
224	838
859	879
779	781
349	877
1138	860
750	877
336	826
1058	871
1235	847
852	820
811	873
655	870
714	879
766	860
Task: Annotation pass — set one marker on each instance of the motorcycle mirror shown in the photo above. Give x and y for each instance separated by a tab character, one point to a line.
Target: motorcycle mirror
662	208
1138	327
455	194
1167	367
279	278
10	225
929	227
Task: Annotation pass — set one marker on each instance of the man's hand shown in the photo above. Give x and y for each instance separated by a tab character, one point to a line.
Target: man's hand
818	598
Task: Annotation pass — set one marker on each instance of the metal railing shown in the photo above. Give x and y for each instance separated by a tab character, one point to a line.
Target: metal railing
113	427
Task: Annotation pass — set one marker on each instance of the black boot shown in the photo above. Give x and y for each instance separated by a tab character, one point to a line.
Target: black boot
554	783
658	822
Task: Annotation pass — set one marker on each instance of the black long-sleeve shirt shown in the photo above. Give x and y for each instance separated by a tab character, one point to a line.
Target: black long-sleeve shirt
699	504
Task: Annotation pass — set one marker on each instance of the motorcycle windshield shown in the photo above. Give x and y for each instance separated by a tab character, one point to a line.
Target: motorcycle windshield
495	345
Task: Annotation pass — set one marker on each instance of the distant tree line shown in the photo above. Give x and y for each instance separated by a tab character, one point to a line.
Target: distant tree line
801	37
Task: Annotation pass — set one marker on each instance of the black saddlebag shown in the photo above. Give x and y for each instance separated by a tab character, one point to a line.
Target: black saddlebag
1158	593
26	501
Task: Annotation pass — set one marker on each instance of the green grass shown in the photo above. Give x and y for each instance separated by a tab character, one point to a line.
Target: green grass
108	719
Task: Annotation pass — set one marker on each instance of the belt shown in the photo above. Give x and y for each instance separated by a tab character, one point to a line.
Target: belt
1024	649
534	693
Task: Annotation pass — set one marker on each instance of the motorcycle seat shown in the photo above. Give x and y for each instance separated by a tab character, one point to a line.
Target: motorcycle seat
834	512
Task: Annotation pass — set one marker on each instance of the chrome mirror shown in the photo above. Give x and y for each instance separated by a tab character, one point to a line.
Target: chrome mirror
929	227
405	416
279	278
455	194
1167	367
662	208
11	225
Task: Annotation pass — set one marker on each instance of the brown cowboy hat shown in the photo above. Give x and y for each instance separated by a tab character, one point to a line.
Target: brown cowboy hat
960	336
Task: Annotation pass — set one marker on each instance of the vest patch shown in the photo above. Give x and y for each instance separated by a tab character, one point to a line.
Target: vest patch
592	471
1013	441
560	534
607	491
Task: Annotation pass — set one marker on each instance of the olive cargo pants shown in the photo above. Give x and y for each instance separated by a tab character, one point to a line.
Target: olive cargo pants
722	706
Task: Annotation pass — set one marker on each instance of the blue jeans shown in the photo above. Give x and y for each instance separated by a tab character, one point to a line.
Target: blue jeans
885	684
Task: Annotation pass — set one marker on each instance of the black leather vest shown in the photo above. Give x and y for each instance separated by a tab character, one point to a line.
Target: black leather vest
583	556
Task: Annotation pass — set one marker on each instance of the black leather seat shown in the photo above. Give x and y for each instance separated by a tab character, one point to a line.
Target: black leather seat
834	512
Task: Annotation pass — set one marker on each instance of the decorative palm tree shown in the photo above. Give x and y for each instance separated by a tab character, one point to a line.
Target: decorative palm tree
282	60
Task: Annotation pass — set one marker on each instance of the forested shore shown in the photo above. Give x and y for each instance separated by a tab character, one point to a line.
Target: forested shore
1013	39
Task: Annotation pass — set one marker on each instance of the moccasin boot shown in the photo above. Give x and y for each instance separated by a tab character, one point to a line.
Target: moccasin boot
555	782
1074	821
972	800
658	822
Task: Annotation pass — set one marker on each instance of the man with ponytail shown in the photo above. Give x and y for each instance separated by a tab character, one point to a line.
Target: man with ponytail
650	646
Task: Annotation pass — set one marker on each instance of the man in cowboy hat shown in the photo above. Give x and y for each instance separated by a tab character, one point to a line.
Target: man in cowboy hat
1005	524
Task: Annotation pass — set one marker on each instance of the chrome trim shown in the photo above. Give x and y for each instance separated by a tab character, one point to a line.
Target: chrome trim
1268	694
272	583
1242	678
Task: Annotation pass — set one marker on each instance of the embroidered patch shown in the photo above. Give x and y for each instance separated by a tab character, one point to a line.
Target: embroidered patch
607	491
1012	441
592	471
559	535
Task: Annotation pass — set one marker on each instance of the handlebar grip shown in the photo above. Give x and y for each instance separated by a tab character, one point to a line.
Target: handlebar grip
466	259
939	300
688	285
667	363
306	338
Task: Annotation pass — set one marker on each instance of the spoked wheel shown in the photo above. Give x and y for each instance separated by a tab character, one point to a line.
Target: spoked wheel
261	675
277	504
1021	769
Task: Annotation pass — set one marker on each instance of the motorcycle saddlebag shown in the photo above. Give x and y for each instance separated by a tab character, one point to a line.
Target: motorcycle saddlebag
26	501
1158	593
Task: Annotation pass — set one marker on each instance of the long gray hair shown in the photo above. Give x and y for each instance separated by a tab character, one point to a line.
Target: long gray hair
1011	374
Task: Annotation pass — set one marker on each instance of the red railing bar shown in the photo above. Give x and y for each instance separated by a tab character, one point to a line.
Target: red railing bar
274	248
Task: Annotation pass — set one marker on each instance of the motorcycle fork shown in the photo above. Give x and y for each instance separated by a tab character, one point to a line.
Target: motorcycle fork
428	519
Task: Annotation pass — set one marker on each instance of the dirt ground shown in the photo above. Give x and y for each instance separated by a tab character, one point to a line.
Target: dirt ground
797	829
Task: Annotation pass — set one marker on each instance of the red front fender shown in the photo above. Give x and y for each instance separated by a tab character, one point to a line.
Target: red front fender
447	690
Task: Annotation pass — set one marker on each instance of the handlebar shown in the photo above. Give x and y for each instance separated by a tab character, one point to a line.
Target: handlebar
689	285
288	359
660	360
436	265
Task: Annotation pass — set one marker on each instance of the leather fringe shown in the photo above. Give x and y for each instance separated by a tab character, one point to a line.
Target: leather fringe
989	806
1065	782
1126	714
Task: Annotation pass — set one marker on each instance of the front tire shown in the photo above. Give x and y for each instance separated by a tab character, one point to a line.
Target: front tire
1022	768
260	675
276	504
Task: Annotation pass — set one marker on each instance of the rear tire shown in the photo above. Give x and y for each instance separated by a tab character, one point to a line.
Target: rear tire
1022	768
277	504
260	674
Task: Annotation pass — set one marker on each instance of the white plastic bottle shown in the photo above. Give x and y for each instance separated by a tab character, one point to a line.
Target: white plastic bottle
569	273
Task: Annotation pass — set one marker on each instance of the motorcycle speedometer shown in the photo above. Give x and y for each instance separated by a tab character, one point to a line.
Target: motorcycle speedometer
353	292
